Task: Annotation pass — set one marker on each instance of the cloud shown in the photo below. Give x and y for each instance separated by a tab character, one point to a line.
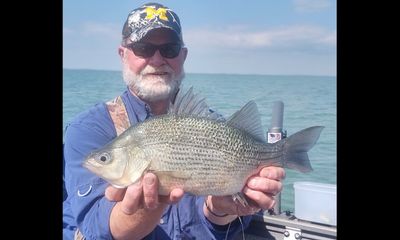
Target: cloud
283	37
330	39
101	29
91	29
306	6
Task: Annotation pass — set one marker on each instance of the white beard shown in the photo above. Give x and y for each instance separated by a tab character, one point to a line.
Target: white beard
153	88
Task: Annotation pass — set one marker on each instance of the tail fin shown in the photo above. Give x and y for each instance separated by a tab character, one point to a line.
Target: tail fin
296	147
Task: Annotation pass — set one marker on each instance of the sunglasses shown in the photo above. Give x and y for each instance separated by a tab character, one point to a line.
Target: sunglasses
146	50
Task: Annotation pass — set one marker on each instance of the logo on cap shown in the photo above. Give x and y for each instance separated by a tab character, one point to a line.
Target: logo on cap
152	13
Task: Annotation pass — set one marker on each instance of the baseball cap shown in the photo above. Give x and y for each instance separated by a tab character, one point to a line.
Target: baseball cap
148	17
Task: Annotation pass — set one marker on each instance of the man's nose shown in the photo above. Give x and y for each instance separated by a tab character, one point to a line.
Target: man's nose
157	60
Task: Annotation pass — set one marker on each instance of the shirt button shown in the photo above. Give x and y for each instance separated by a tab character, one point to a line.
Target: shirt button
161	221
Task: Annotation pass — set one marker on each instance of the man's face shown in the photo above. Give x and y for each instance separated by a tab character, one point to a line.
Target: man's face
156	77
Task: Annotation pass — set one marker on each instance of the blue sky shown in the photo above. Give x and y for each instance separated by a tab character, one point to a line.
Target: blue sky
284	37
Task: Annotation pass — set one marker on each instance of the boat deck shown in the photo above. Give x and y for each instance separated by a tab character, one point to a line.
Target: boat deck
286	227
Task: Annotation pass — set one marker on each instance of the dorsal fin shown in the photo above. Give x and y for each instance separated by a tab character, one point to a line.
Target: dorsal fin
248	120
188	103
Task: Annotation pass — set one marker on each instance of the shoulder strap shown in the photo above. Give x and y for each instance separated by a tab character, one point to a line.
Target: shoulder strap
119	115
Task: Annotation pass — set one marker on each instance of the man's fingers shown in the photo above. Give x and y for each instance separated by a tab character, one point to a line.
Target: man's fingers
115	194
131	201
150	190
276	173
264	185
174	196
263	200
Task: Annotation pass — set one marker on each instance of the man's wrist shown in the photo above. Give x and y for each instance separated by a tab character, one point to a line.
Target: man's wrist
215	216
221	215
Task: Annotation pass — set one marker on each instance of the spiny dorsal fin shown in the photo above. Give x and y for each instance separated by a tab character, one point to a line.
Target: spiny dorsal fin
248	120
188	103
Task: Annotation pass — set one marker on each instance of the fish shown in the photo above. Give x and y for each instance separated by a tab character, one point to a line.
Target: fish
197	150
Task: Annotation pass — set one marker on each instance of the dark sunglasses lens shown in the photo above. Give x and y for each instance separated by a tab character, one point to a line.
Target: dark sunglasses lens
170	50
143	49
146	50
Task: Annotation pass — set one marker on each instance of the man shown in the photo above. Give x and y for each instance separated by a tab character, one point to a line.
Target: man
152	53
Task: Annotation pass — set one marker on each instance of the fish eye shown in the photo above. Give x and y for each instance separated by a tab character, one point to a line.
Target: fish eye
104	157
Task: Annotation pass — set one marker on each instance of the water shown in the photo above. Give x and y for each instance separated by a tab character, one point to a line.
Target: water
308	101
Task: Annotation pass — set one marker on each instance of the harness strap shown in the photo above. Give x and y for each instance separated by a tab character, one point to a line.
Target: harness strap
119	115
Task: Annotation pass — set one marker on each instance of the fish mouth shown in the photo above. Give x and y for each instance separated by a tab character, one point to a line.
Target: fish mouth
87	164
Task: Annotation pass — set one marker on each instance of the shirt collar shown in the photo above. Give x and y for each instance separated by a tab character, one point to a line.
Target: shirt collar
137	109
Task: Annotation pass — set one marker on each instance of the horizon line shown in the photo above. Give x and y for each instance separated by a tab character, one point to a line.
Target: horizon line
258	74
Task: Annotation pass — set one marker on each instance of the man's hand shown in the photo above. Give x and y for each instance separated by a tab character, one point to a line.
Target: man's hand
143	194
259	190
139	207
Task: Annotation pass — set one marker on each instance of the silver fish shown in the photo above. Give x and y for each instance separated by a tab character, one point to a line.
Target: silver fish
193	149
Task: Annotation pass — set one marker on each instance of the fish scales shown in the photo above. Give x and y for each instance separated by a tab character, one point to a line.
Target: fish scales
211	152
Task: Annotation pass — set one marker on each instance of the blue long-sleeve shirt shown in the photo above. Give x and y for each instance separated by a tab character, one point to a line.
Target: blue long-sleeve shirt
86	207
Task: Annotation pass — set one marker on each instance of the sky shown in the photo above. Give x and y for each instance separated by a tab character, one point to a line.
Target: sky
278	37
